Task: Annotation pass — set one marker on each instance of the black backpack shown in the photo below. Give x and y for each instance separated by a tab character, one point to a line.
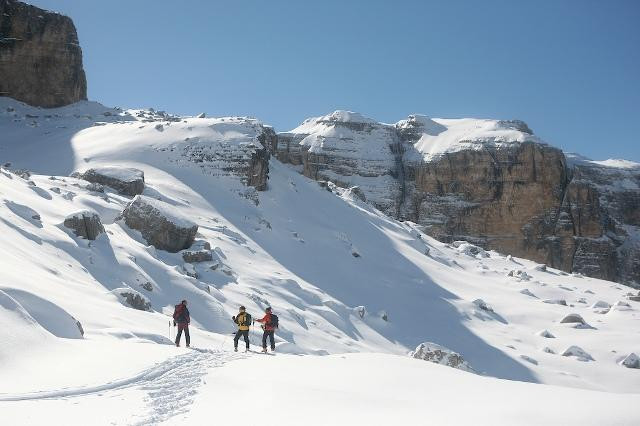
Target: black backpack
274	321
247	319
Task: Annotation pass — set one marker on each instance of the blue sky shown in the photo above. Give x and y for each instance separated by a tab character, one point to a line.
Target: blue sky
569	68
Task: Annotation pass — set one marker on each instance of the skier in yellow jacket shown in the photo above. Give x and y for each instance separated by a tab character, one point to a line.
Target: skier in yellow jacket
243	320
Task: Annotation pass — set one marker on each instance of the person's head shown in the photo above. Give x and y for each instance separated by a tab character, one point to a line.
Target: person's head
184	302
268	310
242	309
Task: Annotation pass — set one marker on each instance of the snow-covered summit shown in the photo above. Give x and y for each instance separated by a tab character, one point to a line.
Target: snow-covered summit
434	137
429	137
612	163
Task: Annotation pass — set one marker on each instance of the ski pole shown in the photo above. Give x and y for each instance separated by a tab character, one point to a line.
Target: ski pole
170	330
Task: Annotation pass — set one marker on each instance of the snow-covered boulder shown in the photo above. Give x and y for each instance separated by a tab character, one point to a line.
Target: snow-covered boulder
482	305
127	181
577	352
47	314
528	292
94	187
601	305
357	192
573	319
621	306
556	302
190	271
435	353
196	256
84	224
529	359
541	268
519	274
200	251
133	299
631	361
159	224
470	249
547	334
634	298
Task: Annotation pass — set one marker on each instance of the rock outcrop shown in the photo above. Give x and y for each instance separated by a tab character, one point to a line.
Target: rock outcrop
231	146
84	224
578	352
199	252
631	361
159	225
435	353
127	181
40	56
489	182
132	299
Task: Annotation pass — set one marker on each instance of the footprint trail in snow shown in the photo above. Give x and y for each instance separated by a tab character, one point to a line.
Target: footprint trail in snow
170	386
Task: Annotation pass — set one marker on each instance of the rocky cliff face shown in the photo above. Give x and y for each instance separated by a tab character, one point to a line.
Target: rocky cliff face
40	57
486	181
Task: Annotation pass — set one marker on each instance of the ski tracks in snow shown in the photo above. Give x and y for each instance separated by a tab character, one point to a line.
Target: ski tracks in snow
170	386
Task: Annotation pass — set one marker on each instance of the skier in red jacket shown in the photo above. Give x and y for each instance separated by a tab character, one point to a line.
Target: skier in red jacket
182	319
269	325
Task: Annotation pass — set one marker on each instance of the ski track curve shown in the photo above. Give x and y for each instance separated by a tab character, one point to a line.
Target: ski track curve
170	386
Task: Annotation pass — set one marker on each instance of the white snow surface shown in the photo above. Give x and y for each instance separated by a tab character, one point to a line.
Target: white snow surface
292	251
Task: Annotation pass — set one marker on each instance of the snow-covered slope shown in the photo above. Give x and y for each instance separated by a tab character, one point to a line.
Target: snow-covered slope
342	276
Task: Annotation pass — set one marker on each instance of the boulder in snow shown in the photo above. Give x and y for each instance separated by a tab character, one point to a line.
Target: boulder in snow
547	334
528	292
529	359
577	352
482	305
548	350
435	353
94	187
519	274
573	319
159	225
147	286
190	271
200	251
127	181
196	256
357	192
601	305
470	249
556	301
631	361
132	298
621	306
84	224
541	267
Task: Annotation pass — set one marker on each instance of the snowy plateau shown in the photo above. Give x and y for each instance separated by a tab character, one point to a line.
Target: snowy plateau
380	324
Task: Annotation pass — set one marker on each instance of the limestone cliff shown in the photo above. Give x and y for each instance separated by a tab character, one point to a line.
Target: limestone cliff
491	182
40	56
